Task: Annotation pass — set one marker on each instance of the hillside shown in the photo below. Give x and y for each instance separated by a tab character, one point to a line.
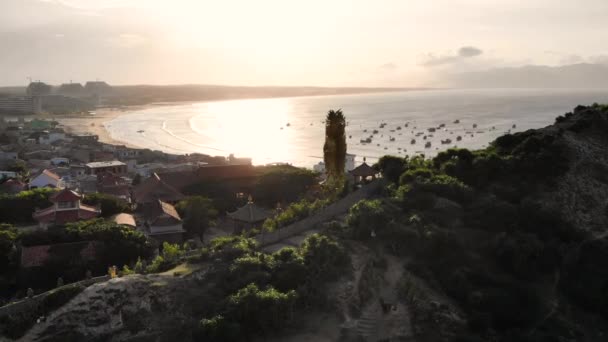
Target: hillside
145	94
582	75
502	244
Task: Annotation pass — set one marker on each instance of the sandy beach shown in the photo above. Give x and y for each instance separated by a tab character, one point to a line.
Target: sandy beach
94	124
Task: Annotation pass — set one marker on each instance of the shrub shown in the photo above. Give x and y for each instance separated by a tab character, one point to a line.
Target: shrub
110	205
218	329
367	216
392	167
323	257
261	311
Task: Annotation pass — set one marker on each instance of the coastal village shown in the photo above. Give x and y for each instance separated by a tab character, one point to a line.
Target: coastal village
143	187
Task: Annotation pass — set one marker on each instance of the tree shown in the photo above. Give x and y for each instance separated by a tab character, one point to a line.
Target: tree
198	213
367	216
8	237
334	150
110	205
392	167
283	184
261	311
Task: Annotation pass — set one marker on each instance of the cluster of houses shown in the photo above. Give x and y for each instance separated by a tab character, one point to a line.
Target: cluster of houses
40	154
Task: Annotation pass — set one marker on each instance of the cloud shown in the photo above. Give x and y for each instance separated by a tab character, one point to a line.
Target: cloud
599	59
469	51
431	60
390	66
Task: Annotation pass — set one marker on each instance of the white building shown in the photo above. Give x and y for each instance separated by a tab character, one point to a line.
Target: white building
8	174
51	137
349	164
46	179
21	104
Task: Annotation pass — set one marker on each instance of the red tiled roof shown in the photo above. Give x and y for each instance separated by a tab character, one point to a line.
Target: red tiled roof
124	219
12	186
169	210
50	215
153	189
51	174
154	211
65	195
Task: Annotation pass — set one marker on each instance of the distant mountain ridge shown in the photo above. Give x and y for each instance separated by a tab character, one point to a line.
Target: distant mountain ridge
582	75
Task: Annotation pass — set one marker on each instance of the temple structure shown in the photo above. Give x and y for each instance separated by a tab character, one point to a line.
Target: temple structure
363	173
247	216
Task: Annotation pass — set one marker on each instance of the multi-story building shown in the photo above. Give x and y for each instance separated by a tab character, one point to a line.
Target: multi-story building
20	105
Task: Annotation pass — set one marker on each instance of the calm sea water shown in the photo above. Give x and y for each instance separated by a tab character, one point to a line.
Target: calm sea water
291	129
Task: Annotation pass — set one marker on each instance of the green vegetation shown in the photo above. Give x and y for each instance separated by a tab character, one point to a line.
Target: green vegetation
113	245
471	226
334	150
295	212
282	184
271	185
24	204
261	293
198	214
110	205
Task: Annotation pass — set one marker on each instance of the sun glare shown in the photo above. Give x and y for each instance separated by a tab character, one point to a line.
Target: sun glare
258	128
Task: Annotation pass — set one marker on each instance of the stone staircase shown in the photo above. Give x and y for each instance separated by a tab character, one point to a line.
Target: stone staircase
367	325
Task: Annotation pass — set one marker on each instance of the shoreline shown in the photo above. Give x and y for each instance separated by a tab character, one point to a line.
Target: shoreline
95	124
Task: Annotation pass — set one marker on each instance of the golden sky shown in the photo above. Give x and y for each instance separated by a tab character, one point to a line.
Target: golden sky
289	42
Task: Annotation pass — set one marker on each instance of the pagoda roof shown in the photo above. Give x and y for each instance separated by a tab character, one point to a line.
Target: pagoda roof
363	170
250	213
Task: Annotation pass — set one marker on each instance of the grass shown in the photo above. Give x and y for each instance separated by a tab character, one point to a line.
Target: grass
182	270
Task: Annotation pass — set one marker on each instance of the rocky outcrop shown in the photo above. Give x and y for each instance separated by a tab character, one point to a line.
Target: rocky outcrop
134	307
581	193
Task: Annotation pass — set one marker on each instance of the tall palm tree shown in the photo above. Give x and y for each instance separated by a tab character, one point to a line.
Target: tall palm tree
334	150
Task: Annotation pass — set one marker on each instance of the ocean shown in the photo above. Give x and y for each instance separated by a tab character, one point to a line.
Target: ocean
291	130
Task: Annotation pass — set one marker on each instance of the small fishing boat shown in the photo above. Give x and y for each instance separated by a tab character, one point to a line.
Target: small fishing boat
446	141
398	128
413	141
392	139
456	121
427	145
375	131
140	131
432	129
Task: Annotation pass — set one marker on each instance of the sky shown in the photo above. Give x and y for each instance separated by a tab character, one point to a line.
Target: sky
395	43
